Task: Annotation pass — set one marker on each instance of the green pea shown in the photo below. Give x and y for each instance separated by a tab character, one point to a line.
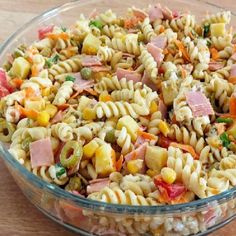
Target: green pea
74	184
6	131
71	154
110	136
86	73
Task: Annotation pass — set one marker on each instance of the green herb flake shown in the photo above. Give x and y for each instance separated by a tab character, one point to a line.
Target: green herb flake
70	78
206	30
224	120
60	170
55	59
48	63
64	29
225	140
96	23
209	43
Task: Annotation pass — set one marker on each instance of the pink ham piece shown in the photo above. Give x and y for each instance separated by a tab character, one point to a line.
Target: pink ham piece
89	61
57	118
96	186
138	153
156	53
41	153
97	69
129	75
199	104
163	109
155	13
147	81
42	32
139	13
233	57
233	71
3	81
80	84
159	41
213	66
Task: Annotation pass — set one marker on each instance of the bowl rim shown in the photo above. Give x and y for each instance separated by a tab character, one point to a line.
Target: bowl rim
86	203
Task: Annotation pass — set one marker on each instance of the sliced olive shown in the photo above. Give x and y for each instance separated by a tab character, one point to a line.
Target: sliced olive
71	154
6	131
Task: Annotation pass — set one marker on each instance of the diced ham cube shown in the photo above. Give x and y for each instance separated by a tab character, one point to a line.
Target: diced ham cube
138	153
41	153
159	41
89	61
155	13
80	84
199	104
213	66
147	81
156	53
139	13
97	185
129	75
57	118
96	69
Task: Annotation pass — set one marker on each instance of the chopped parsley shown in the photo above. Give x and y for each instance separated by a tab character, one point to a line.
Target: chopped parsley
224	120
206	30
209	42
70	78
225	140
64	29
53	60
60	170
96	23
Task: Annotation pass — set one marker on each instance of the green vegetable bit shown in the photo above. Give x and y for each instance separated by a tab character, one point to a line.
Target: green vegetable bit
74	184
52	60
63	28
225	140
206	30
70	78
6	131
60	170
71	154
26	143
110	136
86	73
224	120
96	23
209	43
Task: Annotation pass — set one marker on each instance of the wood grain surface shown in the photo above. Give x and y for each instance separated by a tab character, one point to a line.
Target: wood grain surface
18	217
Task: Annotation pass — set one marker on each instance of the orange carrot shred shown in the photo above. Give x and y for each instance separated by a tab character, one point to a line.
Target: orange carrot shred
119	163
214	53
182	49
186	148
232	105
146	135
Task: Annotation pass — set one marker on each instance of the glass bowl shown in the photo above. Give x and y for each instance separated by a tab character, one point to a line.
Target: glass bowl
88	217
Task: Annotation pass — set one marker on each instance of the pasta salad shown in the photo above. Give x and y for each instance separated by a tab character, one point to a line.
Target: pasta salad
136	109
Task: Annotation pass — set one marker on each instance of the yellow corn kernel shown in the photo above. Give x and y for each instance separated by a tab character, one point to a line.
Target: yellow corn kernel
105	97
168	175
46	92
51	110
90	148
164	128
153	107
152	173
37	105
89	113
134	166
43	118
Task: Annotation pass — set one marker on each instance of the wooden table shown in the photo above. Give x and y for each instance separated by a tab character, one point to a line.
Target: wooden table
18	217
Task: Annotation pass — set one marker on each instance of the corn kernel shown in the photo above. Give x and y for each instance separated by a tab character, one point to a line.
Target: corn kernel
89	113
51	110
43	118
105	97
163	128
168	175
90	148
153	107
37	105
46	92
134	166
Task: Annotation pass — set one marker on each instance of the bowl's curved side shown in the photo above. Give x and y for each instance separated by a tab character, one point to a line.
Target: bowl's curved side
96	217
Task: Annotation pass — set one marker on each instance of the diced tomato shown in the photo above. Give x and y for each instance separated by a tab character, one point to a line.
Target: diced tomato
3	92
4	83
164	141
44	30
172	191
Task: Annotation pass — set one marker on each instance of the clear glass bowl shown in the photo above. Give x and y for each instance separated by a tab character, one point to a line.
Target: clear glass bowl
96	218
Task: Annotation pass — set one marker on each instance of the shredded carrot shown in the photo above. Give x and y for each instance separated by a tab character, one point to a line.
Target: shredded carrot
161	29
131	22
91	91
146	135
30	113
61	35
232	80
232	105
134	156
113	157
183	73
30	93
75	94
214	53
63	106
227	115
34	71
119	163
17	82
182	49
186	148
